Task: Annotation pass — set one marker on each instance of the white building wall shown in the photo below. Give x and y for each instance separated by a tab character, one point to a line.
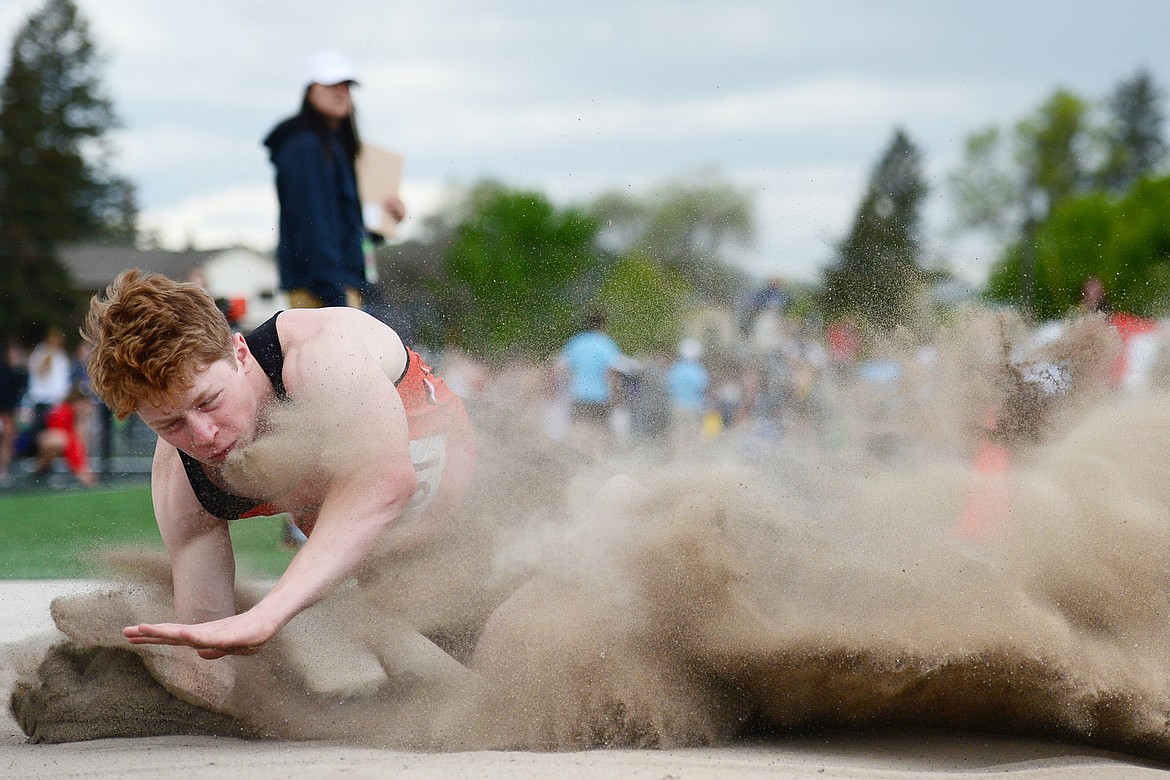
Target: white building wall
242	273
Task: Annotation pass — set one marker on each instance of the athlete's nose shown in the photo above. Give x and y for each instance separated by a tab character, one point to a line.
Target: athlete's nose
203	429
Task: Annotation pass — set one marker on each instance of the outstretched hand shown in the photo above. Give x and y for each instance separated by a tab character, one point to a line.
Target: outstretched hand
242	634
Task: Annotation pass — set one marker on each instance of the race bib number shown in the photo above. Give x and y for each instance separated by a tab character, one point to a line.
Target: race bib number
428	456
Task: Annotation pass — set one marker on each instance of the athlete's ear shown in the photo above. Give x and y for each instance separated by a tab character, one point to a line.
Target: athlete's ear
240	349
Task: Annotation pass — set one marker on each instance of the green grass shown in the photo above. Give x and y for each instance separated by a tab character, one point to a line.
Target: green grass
56	534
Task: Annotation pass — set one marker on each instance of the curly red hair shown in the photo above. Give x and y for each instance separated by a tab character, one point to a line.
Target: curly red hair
150	336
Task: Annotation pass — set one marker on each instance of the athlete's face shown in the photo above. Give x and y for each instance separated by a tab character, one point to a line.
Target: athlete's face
332	101
215	416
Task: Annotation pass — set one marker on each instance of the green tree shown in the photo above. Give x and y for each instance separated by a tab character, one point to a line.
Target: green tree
877	273
518	270
645	304
1008	184
689	226
986	188
1134	145
55	183
1125	243
1053	153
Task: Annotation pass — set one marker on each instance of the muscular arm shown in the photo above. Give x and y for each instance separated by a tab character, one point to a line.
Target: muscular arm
199	546
369	481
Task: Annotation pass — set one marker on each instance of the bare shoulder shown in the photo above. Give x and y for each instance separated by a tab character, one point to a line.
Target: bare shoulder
337	342
166	468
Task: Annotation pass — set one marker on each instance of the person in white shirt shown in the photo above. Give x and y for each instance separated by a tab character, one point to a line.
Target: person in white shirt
49	374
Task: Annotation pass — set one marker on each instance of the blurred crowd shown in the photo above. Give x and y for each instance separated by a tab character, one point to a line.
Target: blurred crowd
761	378
764	379
49	417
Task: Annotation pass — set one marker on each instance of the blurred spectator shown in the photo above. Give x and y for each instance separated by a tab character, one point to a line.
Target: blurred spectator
731	397
465	375
1141	343
78	368
49	375
322	245
321	249
771	296
234	309
13	383
101	421
766	316
843	340
1140	337
686	382
627	387
64	435
1093	296
197	276
650	412
591	359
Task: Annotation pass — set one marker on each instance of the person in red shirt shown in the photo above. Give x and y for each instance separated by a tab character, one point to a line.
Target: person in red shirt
64	437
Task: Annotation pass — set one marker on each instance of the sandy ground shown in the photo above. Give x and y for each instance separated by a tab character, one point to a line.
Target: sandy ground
24	617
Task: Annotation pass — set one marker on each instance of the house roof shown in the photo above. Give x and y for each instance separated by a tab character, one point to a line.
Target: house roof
94	265
410	260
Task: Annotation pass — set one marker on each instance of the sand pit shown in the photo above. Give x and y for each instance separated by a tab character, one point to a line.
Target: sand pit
925	754
746	613
24	619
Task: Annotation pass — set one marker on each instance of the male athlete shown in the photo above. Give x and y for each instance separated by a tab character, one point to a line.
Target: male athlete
385	451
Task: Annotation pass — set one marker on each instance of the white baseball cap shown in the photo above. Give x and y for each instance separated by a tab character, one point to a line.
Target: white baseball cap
329	67
690	349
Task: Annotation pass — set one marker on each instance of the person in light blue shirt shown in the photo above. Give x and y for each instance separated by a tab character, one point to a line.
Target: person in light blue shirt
589	359
686	379
686	383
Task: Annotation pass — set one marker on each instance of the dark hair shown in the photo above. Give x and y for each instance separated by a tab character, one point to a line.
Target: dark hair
347	130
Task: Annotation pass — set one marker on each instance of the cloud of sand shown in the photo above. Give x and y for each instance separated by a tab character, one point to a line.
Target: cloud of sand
293	443
776	588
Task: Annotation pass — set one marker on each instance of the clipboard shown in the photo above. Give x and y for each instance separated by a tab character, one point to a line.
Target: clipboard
379	173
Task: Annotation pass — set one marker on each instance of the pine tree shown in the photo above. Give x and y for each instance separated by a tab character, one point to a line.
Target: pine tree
1135	147
55	184
877	270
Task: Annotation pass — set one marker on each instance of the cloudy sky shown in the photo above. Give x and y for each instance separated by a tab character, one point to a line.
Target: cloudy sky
793	101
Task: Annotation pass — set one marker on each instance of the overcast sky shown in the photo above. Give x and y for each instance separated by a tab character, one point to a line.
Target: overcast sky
792	101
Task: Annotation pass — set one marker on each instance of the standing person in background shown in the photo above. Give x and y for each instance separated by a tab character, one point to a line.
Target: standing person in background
766	313
686	382
322	246
590	360
64	436
13	383
50	374
320	250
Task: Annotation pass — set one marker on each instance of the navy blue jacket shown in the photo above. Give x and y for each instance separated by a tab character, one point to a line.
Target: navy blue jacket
321	232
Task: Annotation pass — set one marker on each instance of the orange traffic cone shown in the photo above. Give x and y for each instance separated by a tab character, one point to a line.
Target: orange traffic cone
989	499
